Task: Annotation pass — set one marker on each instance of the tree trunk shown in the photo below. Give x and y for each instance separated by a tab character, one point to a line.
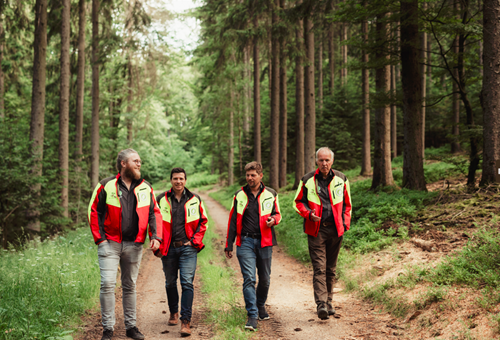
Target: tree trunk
331	54
256	96
246	104
299	106
320	74
94	170
310	102
130	134
366	164
491	90
274	156
230	161
344	53
80	81
413	163
382	169
394	115
283	127
37	125
64	106
423	74
455	144
2	86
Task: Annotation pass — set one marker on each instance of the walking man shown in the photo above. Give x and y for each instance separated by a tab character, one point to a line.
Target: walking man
323	199
119	213
254	213
184	225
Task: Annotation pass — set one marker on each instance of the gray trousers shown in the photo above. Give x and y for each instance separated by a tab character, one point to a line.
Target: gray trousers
324	251
128	255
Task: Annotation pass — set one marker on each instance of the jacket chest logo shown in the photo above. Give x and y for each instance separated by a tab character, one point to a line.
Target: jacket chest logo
142	197
192	211
268	205
338	191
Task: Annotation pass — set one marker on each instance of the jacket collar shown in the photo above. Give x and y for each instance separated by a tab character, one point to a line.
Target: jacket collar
247	191
188	193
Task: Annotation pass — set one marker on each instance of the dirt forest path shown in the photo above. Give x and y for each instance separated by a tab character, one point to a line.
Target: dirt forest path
291	303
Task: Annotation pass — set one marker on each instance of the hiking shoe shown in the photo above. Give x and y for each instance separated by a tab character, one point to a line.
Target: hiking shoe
185	328
107	334
331	310
251	324
263	315
134	333
322	312
174	319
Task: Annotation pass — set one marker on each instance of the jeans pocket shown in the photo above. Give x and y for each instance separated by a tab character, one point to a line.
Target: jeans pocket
103	248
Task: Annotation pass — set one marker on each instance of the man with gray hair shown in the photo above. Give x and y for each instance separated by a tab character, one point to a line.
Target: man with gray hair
119	213
323	199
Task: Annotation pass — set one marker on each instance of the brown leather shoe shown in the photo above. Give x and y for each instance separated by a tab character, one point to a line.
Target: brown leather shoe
185	329
174	319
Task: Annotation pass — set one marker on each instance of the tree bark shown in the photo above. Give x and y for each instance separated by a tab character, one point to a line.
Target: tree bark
37	125
344	54
320	74
413	163
64	106
256	96
331	54
247	97
366	164
382	168
230	167
130	134
423	74
491	90
455	144
274	157
299	106
283	127
2	84
394	115
80	81
94	170
310	102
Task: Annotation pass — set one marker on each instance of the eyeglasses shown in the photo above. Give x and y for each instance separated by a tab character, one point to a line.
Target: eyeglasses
137	161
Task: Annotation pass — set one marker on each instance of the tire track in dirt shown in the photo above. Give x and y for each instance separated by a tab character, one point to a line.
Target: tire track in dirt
291	300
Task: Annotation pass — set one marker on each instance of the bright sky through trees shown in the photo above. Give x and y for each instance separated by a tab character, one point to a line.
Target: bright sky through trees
183	30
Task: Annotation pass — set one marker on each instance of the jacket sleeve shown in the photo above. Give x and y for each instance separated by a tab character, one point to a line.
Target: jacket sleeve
197	239
347	206
301	205
231	226
155	220
276	213
97	213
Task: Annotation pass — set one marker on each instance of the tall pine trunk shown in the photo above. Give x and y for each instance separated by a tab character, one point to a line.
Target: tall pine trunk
283	127
382	169
130	135
366	165
256	96
491	90
2	84
94	168
320	74
310	101
413	163
37	125
247	98
299	106
230	161
274	156
331	58
80	81
64	105
423	74
455	144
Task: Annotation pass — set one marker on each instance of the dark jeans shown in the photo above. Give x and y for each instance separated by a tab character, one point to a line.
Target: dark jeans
324	251
252	256
182	260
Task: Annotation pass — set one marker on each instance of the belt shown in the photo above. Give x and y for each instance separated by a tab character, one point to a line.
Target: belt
252	235
177	244
327	224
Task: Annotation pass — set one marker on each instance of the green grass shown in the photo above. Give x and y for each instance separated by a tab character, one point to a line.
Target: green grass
225	311
45	287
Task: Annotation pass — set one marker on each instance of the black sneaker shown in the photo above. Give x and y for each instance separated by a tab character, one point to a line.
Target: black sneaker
331	310
107	334
134	333
263	315
251	324
322	312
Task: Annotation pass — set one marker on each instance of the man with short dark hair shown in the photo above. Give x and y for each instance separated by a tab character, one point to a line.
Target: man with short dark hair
254	213
119	213
323	199
184	225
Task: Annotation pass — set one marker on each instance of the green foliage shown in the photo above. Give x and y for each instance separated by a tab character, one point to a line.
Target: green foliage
45	287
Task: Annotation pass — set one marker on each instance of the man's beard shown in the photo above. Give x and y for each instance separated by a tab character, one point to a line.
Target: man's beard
132	173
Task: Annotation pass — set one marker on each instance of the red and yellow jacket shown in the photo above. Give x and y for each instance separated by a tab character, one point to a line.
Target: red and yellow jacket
307	201
105	212
268	207
195	217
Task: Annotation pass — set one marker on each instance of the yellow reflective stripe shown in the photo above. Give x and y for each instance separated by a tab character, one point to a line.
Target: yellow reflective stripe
93	199
242	202
204	212
278	210
111	197
299	189
348	188
312	195
192	209
165	209
143	194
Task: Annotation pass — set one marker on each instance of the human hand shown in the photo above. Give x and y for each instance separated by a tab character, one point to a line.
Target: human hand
154	245
270	222
229	254
188	243
315	218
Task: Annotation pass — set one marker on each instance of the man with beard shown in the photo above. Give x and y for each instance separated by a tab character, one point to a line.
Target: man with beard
254	213
323	199
184	225
119	213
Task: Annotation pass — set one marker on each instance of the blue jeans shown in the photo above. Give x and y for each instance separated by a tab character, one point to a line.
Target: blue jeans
251	256
182	260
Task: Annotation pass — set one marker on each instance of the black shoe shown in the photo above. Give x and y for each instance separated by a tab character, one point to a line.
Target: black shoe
107	334
251	324
322	312
263	315
331	310
134	333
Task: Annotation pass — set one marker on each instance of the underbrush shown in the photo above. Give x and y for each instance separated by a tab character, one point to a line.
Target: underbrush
225	311
45	287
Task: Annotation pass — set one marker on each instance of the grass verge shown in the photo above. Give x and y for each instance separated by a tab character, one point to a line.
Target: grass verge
45	287
225	310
